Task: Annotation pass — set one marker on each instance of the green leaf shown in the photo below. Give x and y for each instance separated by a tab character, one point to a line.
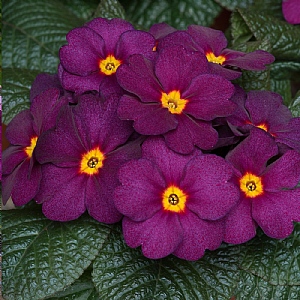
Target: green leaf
259	269
295	105
233	4
82	289
83	9
33	32
282	87
42	257
16	91
285	70
240	32
110	9
177	13
283	37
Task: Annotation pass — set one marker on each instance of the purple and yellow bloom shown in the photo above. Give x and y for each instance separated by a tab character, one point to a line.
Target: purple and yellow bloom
21	172
81	157
174	96
97	49
268	198
291	11
174	203
265	110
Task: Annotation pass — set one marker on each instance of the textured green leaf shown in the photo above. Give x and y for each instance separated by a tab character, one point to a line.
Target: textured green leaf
285	70
271	7
295	105
283	87
33	32
240	32
110	9
283	37
259	270
16	91
233	4
82	289
42	257
177	13
83	9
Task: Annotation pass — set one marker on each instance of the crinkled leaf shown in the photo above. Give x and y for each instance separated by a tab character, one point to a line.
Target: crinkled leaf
42	257
283	87
256	270
283	36
110	9
82	289
285	70
83	9
233	4
16	91
271	7
33	32
177	13
295	105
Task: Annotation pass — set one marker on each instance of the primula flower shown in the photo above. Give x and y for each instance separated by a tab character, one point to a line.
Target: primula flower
268	198
21	172
174	96
97	49
291	11
265	110
82	155
174	203
222	61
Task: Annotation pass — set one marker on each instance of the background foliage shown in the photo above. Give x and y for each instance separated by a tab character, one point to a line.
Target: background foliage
86	260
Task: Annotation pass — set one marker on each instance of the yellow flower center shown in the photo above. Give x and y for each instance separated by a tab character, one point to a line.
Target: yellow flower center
174	199
29	149
263	126
92	161
109	65
173	102
215	59
251	185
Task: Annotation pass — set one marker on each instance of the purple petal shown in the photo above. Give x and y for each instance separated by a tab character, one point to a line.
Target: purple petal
198	236
210	194
253	153
110	30
290	10
137	77
239	225
12	157
176	66
275	212
149	119
84	51
223	71
135	42
208	39
156	150
283	173
208	97
160	30
20	130
159	236
190	132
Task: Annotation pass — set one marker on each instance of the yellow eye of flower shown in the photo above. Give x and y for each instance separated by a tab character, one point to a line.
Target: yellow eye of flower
174	199
91	161
109	65
29	149
173	102
215	59
263	126
251	185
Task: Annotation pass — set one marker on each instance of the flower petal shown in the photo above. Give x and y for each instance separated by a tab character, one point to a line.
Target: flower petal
12	157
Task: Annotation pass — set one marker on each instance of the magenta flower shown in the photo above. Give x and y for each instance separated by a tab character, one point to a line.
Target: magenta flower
82	155
174	96
174	203
290	10
265	110
268	198
213	44
97	49
21	172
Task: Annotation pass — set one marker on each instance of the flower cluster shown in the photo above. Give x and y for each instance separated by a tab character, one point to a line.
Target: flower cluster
149	128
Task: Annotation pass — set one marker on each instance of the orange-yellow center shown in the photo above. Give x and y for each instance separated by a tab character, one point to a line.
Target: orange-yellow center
215	59
91	161
173	102
109	65
251	185
263	126
29	149
174	199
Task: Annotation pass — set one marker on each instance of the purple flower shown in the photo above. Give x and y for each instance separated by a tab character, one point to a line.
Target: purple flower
21	172
82	155
265	110
268	198
174	96
97	49
290	10
213	43
174	203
